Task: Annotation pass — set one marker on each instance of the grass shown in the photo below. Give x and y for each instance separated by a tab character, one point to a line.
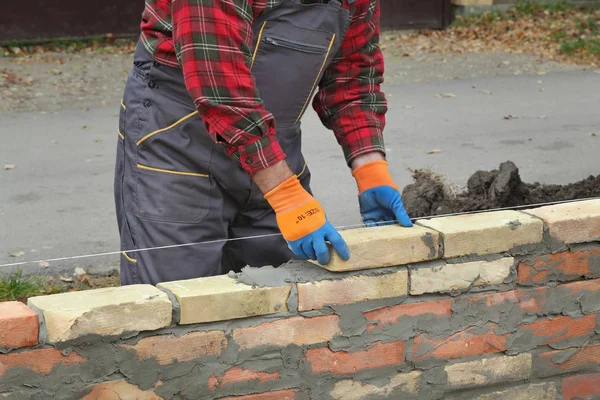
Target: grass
16	287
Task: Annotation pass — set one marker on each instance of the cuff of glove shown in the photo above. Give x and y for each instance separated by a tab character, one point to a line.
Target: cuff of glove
373	174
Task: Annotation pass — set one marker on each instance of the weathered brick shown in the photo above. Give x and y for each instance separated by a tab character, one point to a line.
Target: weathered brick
535	391
18	325
559	362
298	330
379	355
352	289
386	246
238	374
354	390
560	267
552	330
488	371
486	233
105	312
167	349
575	222
459	276
393	315
468	343
197	298
276	395
526	300
39	360
581	387
120	390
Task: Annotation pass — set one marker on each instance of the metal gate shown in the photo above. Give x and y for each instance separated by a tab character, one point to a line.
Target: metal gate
49	19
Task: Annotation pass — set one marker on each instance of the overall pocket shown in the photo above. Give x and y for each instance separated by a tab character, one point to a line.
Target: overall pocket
288	63
172	180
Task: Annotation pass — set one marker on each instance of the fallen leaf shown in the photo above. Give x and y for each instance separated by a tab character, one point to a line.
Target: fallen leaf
542	116
66	279
434	151
17	254
593	134
97	140
530	139
447	95
509	116
9	166
80	271
44	264
486	92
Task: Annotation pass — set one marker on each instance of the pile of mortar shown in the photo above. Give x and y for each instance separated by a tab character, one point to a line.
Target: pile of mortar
431	195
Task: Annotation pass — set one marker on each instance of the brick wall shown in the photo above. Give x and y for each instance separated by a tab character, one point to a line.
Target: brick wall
497	305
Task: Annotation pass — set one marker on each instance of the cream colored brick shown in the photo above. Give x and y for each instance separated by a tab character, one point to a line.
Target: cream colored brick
576	222
386	246
459	276
354	390
353	289
486	233
107	311
488	371
221	298
538	391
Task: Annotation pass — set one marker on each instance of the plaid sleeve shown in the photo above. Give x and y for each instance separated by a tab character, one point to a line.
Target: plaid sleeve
349	100
213	41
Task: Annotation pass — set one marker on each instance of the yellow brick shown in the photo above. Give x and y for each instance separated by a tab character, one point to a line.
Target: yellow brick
488	371
221	298
353	289
354	390
107	311
386	246
576	222
459	276
486	233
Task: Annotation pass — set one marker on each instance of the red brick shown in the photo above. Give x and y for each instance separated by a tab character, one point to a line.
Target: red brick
40	360
120	390
466	343
341	363
587	357
298	330
18	325
560	266
167	349
561	328
237	374
393	315
277	395
525	299
581	387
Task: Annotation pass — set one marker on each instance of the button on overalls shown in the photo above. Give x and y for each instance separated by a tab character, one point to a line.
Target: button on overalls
174	185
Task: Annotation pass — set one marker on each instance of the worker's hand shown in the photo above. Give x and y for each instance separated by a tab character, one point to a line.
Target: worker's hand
303	223
379	198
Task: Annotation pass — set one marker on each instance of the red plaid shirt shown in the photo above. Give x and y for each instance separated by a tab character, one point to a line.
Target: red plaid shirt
349	100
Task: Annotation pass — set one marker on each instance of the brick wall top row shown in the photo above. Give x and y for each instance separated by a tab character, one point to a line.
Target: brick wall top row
472	250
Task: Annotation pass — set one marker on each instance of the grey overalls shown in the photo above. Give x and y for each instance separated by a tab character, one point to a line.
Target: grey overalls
174	185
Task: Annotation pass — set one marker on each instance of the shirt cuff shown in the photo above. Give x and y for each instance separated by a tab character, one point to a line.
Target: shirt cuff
260	154
361	142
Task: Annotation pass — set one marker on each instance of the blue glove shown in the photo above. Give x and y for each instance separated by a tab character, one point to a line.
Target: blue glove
382	204
379	199
313	246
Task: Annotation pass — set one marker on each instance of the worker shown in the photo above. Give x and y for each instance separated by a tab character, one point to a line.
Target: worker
209	146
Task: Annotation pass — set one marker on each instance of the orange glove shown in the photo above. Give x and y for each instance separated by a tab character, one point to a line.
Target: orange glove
379	197
303	223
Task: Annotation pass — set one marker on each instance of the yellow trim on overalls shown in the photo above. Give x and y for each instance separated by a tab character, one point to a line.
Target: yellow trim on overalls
120	134
257	43
317	78
123	105
168	171
165	129
133	260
